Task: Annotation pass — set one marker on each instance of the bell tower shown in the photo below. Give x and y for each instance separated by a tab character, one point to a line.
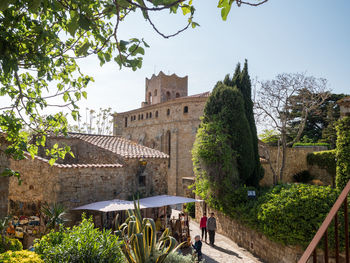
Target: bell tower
163	87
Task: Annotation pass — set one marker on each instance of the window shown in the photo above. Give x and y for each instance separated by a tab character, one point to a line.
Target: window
168	145
177	95
168	95
147	115
141	116
186	109
168	112
126	122
155	93
156	114
150	115
150	98
142	180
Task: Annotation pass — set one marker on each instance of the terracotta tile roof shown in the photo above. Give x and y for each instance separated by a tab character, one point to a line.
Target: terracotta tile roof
92	165
119	145
200	95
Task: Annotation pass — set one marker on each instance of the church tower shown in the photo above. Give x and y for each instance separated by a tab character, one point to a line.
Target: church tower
163	88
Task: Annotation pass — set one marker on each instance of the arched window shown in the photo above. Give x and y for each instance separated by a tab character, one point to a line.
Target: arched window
168	112
126	122
177	95
147	115
168	95
156	114
186	109
150	115
168	145
155	92
150	98
141	116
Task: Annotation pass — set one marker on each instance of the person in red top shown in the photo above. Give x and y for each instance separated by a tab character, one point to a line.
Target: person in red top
203	226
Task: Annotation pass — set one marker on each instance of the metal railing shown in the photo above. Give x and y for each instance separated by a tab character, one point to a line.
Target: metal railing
323	231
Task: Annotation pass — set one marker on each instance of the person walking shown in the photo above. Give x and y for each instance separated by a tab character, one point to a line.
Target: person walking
211	227
203	226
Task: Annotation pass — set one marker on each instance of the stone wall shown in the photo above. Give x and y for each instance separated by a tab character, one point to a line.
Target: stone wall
155	132
4	181
295	162
78	186
322	175
255	242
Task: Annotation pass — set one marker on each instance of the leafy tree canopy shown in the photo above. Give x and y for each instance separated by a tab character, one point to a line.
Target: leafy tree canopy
40	43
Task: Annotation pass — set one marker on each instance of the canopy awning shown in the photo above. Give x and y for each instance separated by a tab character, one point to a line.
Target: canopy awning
149	202
164	200
108	206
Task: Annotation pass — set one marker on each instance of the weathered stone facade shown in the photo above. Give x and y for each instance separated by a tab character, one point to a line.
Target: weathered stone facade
4	181
96	174
168	125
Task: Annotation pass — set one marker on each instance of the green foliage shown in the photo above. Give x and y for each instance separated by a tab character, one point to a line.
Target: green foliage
343	152
311	144
320	124
82	243
292	214
55	214
245	86
140	244
23	256
324	159
12	244
302	177
175	257
270	137
190	208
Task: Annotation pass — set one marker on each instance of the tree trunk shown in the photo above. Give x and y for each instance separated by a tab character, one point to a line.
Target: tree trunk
284	156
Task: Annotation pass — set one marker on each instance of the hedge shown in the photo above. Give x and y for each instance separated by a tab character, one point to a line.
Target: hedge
311	144
289	214
343	152
324	160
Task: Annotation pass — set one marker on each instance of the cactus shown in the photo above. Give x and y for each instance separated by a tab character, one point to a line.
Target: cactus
140	244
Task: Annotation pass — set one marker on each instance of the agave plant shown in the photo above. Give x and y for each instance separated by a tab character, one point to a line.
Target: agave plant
55	215
140	244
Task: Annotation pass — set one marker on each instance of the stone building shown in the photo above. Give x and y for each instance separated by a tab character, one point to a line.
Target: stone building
167	121
104	168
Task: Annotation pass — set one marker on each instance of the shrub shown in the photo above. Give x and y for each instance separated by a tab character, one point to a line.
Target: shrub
176	257
292	214
12	244
311	144
324	160
302	177
23	256
343	152
82	243
191	209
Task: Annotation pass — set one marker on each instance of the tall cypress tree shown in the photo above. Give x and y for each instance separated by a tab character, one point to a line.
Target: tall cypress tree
245	86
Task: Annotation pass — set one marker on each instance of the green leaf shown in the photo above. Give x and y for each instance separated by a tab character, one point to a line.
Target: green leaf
65	96
52	161
84	22
72	27
84	93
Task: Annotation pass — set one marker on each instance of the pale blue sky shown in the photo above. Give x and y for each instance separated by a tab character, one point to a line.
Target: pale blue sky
310	36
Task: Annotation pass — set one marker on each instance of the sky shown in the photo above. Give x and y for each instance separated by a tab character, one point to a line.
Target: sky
310	36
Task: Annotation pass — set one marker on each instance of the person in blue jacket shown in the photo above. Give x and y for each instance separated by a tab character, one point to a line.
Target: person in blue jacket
198	247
